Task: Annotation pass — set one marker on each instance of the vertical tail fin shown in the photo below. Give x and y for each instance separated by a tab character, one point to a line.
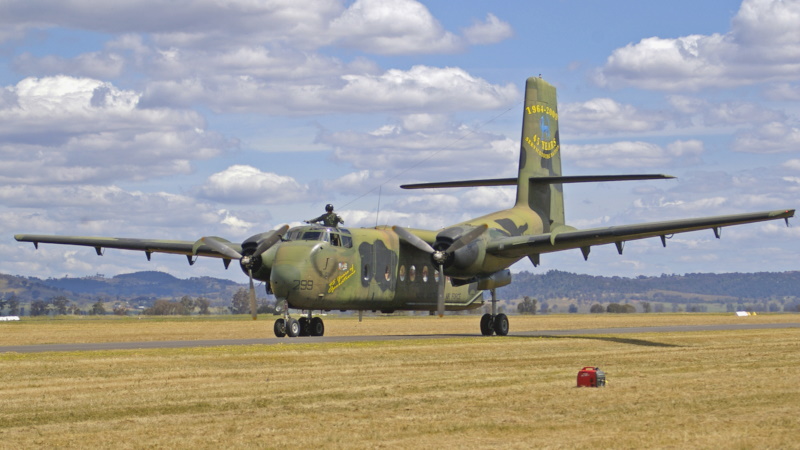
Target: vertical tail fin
540	154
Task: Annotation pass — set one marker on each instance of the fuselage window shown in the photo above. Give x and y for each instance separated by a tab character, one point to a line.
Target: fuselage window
436	275
386	274
412	273
365	272
403	273
424	274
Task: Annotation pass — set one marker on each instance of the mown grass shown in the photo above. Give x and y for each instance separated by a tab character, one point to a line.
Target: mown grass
72	329
736	389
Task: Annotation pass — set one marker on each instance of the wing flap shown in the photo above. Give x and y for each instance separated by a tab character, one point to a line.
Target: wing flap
552	242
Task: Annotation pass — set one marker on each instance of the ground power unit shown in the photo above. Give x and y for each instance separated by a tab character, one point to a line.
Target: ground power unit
591	377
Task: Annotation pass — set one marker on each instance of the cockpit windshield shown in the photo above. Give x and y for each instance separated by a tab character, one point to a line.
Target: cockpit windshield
312	236
337	238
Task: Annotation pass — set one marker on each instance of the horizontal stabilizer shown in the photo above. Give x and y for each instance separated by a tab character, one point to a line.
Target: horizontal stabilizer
539	180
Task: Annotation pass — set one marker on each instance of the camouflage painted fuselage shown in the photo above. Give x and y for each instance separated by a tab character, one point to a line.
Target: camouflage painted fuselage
359	269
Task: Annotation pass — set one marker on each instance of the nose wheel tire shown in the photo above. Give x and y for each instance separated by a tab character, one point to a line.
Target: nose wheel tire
280	328
293	328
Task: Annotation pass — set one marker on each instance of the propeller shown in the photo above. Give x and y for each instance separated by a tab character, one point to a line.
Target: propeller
440	256
264	242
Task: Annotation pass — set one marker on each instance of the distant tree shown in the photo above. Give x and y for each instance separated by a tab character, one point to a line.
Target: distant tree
202	305
60	304
13	305
98	309
527	306
188	304
659	308
573	308
40	308
120	310
597	308
646	307
165	308
544	308
240	303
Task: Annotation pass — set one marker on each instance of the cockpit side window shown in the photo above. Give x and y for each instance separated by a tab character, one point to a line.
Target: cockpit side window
336	240
347	241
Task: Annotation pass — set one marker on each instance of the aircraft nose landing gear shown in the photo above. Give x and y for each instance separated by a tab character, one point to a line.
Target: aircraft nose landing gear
494	323
306	326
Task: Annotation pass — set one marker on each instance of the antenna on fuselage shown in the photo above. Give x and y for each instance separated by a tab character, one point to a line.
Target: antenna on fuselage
378	212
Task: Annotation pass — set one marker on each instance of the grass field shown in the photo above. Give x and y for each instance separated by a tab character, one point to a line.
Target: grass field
732	389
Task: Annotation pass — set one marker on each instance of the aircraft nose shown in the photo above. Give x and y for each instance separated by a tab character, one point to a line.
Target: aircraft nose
281	279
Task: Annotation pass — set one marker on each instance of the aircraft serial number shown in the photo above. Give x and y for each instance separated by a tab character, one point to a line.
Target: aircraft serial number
303	285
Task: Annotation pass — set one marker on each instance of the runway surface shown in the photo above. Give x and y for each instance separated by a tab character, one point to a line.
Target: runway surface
348	339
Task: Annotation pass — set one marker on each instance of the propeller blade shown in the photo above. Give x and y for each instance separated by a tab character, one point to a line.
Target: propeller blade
467	238
440	298
414	240
253	308
269	239
219	246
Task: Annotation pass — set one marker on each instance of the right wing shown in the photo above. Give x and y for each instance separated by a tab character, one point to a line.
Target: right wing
519	246
149	246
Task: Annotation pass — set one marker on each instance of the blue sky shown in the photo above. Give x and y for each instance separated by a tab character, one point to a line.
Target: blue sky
187	119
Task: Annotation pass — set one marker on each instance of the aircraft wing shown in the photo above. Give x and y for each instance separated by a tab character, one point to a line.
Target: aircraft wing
149	246
532	246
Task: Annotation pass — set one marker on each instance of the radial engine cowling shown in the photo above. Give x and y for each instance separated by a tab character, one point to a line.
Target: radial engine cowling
465	262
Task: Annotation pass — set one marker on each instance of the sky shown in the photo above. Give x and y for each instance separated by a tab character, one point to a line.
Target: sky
184	119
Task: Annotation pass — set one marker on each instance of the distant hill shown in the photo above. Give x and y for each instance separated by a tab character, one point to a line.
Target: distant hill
733	288
141	286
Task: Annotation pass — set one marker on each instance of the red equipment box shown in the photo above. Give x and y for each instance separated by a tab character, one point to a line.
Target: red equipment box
591	377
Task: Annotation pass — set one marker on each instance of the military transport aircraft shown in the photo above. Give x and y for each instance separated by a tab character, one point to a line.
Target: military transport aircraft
312	267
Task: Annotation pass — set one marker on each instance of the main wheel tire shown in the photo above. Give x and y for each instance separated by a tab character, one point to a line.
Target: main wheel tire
305	326
317	327
280	328
486	325
501	324
293	328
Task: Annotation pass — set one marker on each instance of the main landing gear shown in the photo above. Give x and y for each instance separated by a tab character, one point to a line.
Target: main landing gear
305	326
494	323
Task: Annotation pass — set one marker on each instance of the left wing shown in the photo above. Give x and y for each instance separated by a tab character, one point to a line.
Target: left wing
149	246
519	246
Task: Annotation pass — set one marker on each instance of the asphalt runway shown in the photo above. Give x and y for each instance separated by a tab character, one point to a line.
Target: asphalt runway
347	339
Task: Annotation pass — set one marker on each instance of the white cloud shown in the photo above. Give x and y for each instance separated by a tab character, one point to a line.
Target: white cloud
67	130
634	154
427	153
793	164
605	115
246	184
762	45
392	28
419	89
783	92
491	31
773	137
723	113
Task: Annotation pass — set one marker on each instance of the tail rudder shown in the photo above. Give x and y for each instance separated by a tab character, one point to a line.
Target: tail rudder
540	154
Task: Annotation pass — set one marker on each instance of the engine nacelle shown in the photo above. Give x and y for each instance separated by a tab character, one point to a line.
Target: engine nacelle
465	262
